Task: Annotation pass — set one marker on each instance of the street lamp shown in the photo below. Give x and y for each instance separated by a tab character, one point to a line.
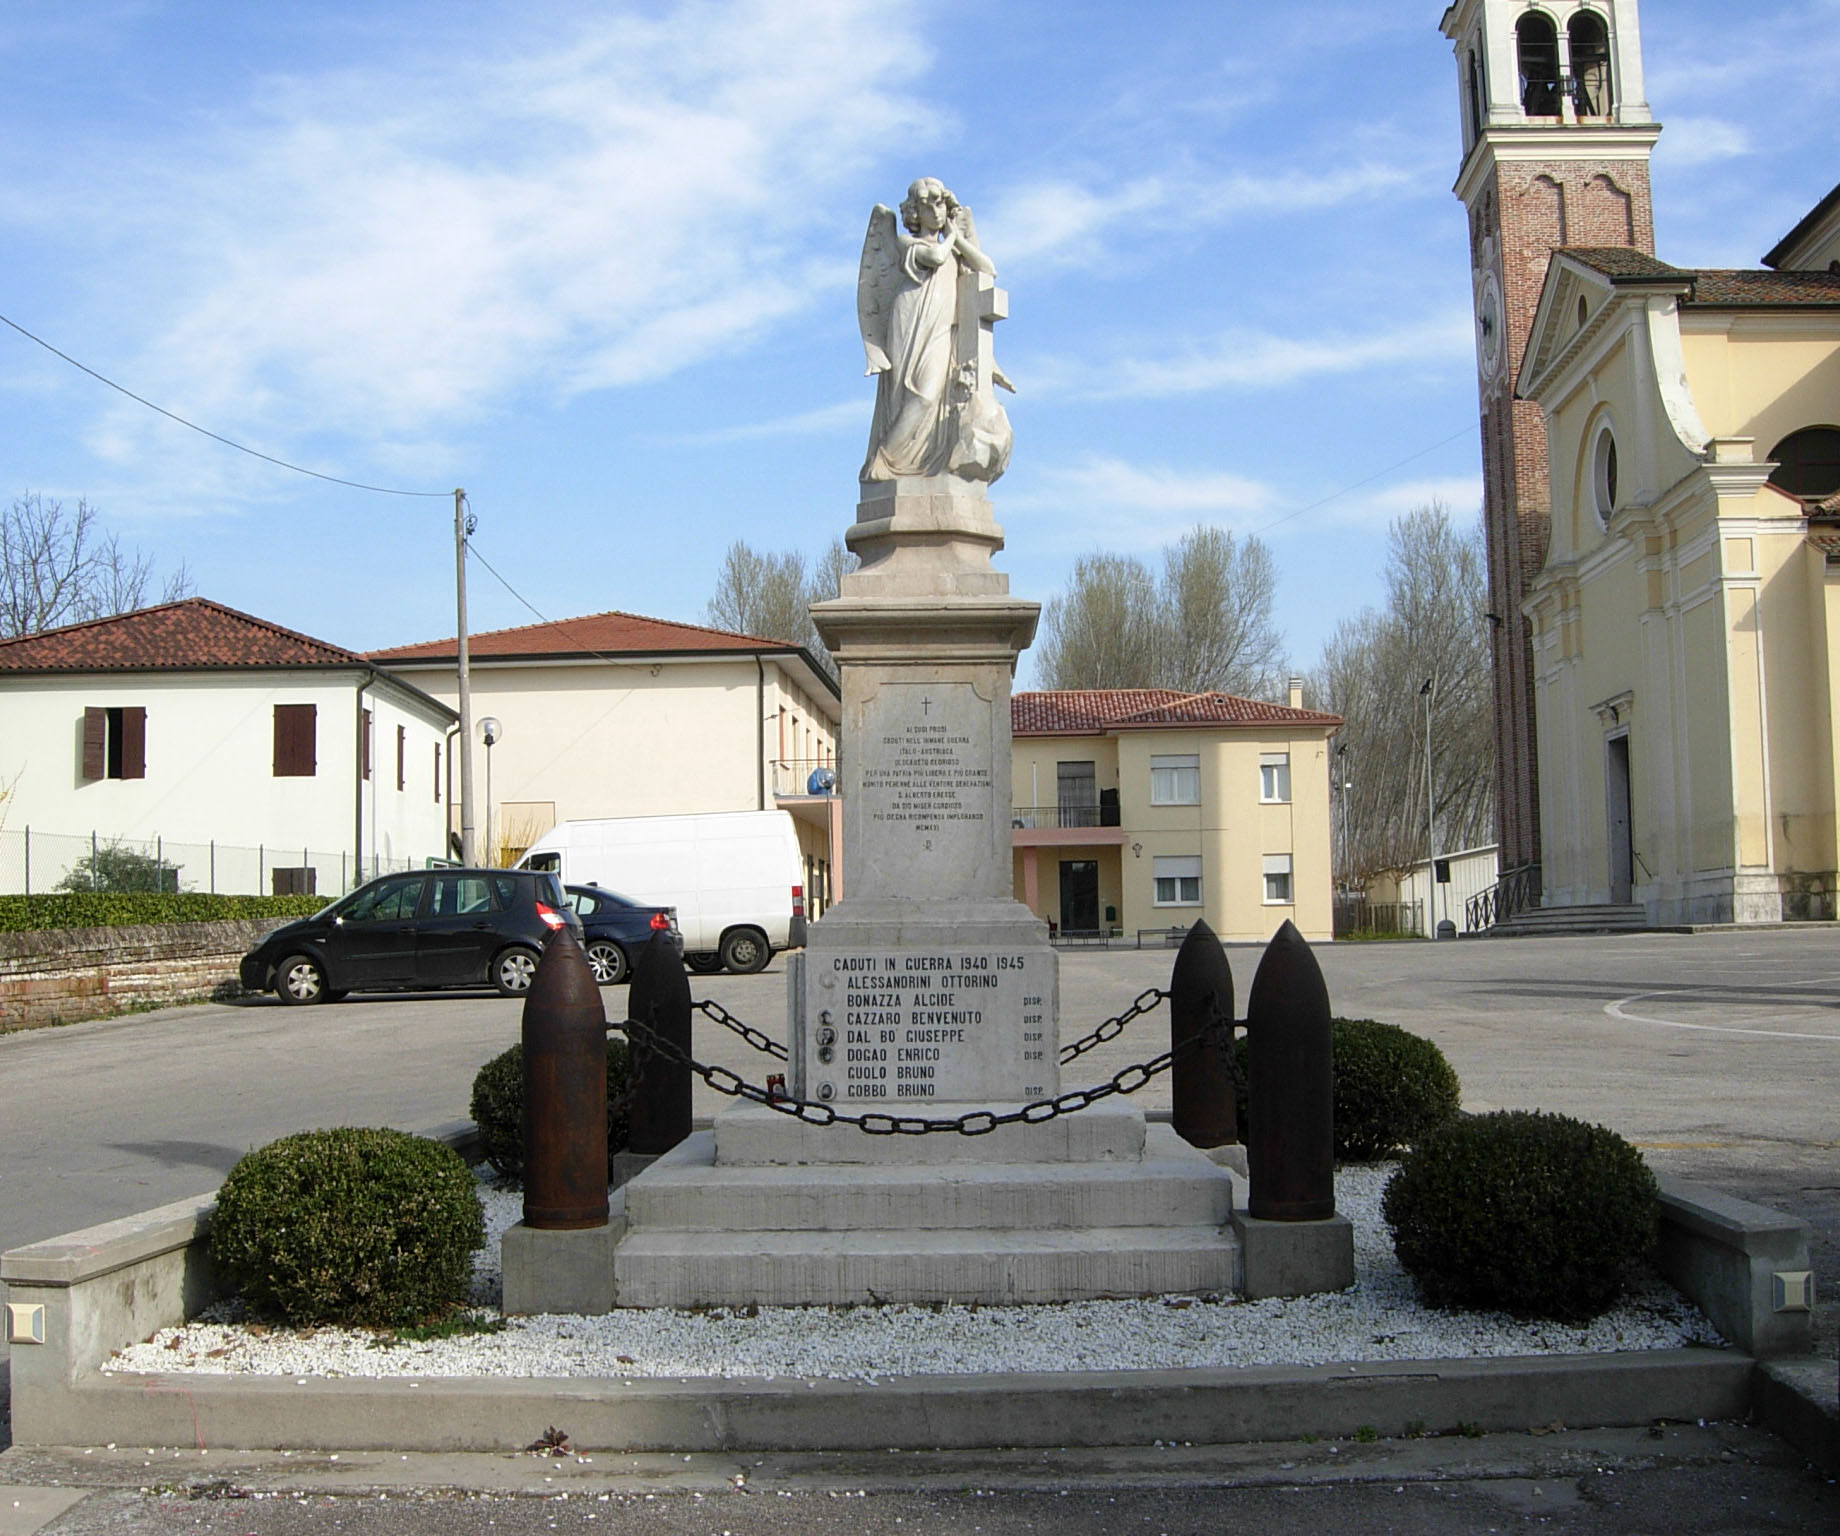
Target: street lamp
489	730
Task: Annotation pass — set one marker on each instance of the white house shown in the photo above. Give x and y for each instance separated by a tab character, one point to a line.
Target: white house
248	757
616	714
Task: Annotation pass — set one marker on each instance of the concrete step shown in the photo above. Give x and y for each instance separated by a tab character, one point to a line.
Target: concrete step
1604	918
752	1135
1173	1186
679	1269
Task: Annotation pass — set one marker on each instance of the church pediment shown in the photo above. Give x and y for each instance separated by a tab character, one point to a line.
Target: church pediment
1578	299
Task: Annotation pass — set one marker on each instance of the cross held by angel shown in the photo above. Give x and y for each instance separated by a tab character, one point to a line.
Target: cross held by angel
927	299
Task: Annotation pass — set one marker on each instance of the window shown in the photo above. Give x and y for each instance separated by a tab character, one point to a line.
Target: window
460	896
1178	881
1603	475
301	880
1539	60
1590	82
1275	777
364	745
1077	788
391	901
296	747
1278	879
1808	462
402	757
115	743
1175	779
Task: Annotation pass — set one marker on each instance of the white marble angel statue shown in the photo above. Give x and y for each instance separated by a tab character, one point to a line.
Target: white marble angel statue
927	297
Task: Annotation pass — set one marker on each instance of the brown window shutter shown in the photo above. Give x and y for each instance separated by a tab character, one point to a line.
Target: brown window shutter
402	757
296	741
364	747
95	743
134	742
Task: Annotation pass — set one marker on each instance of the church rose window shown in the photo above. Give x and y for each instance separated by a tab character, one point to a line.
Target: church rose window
1808	462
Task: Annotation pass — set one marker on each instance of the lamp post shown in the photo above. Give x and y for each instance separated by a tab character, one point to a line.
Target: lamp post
490	730
1429	694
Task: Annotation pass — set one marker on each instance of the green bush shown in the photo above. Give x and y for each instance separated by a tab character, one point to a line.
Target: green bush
1392	1088
1535	1214
498	1107
348	1226
117	909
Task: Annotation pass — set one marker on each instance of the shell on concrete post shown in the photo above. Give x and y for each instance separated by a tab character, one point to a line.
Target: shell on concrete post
1200	1081
659	999
1290	1153
565	1092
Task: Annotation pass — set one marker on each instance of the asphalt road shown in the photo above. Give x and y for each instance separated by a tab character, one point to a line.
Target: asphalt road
1718	1054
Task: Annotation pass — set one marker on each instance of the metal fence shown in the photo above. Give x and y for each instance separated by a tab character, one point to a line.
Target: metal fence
1356	916
36	863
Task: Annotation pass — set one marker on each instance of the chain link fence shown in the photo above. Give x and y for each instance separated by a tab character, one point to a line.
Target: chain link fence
37	863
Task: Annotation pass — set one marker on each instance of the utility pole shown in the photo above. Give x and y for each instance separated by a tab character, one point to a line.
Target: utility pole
463	525
1429	694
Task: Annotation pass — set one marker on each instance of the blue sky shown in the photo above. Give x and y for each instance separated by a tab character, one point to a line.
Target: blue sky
596	264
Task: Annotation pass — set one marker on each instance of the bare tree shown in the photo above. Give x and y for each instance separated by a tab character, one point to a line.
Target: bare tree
770	595
1103	631
1206	626
1374	672
1218	633
60	568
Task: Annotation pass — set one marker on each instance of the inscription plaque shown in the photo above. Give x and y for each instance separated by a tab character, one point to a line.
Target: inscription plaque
905	1027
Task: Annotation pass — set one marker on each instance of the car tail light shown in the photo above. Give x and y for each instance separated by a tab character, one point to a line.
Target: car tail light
798	901
552	919
661	922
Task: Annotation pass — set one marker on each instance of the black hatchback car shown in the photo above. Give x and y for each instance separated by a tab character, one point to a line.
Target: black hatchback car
617	928
430	928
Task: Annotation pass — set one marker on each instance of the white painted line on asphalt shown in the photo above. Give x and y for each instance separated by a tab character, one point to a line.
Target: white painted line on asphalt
1618	1010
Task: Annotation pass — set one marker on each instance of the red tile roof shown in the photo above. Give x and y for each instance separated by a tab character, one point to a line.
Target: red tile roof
1715	288
190	635
1092	711
607	634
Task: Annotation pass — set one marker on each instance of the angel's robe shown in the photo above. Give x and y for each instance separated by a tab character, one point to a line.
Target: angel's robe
912	430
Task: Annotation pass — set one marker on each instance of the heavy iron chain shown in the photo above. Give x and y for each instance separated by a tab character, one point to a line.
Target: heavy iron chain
754	1037
978	1122
1113	1027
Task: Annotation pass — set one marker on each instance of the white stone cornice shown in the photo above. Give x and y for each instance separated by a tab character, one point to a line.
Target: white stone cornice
1559	142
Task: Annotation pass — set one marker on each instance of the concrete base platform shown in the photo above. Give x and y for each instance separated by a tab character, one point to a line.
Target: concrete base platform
569	1272
1294	1258
770	1211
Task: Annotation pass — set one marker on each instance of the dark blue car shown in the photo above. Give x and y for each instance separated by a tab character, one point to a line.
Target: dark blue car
615	928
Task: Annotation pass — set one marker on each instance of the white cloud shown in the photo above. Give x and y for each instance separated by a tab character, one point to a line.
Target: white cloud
825	419
1702	141
391	252
1102	501
1373	507
1244	359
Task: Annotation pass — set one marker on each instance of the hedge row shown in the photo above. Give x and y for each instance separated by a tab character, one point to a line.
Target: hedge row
119	909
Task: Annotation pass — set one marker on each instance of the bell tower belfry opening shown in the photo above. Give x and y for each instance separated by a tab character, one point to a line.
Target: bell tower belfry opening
1556	140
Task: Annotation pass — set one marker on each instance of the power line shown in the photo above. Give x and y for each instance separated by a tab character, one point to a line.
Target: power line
356	485
560	624
1369	480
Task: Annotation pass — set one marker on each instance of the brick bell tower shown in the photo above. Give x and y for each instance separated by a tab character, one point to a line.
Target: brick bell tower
1556	139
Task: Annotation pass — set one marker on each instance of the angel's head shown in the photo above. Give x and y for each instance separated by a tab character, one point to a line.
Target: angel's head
928	207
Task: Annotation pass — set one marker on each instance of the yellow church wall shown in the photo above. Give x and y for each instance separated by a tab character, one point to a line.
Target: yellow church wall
1760	376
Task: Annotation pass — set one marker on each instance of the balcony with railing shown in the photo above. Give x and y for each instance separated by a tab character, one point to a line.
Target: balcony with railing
1066	825
798	778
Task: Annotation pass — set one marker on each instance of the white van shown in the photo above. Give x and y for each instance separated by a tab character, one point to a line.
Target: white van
735	877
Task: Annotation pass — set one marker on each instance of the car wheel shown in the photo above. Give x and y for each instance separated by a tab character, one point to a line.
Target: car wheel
745	951
608	962
703	962
300	979
514	970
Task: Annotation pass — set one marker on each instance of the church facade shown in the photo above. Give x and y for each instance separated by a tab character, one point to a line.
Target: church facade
1662	462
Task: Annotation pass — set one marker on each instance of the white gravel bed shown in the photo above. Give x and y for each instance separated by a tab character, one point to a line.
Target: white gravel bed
1380	1318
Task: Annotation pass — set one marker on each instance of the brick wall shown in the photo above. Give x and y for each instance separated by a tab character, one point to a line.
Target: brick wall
53	977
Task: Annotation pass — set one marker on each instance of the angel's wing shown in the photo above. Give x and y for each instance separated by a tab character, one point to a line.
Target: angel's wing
967	226
876	284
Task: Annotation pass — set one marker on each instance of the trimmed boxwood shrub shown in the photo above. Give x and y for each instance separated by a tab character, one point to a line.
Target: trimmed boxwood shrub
1392	1088
1535	1214
348	1226
498	1107
118	909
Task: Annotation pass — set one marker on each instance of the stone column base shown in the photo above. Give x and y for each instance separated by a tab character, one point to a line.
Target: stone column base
568	1272
1294	1258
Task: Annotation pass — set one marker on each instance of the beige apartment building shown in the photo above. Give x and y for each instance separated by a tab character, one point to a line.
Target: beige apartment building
615	714
1686	623
1147	808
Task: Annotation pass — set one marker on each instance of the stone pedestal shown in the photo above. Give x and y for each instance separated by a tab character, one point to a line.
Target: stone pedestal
570	1272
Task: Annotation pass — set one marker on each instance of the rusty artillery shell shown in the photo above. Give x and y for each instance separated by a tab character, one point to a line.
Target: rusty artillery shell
1201	1081
1290	1147
565	1092
659	999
